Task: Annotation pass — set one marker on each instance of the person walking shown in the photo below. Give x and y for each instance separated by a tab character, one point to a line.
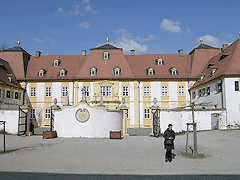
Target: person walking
169	136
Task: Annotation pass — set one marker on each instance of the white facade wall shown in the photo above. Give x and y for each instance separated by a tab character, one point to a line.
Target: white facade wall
11	118
40	91
56	91
91	91
70	92
141	91
120	91
155	90
100	122
232	101
131	88
80	85
141	113
132	113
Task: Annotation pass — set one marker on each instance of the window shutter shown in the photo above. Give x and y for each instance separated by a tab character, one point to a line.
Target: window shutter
156	62
146	71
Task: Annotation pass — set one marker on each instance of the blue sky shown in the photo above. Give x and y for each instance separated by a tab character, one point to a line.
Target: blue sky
148	26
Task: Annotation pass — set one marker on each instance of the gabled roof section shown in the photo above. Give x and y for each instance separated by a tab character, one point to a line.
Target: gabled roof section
5	72
228	66
204	46
106	47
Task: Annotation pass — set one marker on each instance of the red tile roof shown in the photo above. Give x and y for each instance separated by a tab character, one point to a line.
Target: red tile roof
5	72
227	63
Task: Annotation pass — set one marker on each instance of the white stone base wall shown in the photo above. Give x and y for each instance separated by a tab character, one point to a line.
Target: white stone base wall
11	118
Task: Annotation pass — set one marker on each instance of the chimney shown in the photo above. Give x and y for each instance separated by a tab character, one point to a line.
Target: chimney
83	52
224	47
180	52
132	52
38	54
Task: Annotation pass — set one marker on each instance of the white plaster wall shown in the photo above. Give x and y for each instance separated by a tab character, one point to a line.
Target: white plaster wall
170	118
80	85
232	101
40	91
56	91
91	89
131	84
120	91
132	113
11	118
141	113
173	91
99	124
155	90
70	92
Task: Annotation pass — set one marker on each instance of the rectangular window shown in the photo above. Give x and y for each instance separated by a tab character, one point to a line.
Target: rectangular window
219	88
64	91
146	91
208	91
193	95
199	93
203	92
127	114
47	113
181	90
109	91
16	95
236	86
48	91
87	90
33	92
164	91
125	90
146	113
8	94
103	92
32	114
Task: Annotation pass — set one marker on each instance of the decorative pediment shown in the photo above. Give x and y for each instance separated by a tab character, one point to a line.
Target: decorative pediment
105	83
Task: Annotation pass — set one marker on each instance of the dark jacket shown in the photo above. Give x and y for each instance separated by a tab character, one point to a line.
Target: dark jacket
166	136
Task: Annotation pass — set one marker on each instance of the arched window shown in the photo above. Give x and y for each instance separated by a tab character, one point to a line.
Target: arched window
150	71
117	71
62	72
41	72
93	71
159	61
173	71
106	55
56	62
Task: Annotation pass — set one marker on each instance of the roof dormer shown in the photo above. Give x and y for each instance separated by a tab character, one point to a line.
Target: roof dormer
212	70
159	61
173	71
117	71
42	72
10	77
93	71
150	71
56	62
201	76
105	55
62	72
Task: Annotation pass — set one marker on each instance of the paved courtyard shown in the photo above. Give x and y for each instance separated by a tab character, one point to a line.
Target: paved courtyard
133	155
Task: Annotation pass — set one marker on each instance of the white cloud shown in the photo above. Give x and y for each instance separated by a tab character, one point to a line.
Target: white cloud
151	37
85	1
170	26
85	25
89	9
50	39
227	35
60	10
189	31
123	33
38	40
210	40
76	12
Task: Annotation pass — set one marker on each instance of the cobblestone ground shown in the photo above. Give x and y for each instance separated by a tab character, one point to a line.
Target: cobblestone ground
140	155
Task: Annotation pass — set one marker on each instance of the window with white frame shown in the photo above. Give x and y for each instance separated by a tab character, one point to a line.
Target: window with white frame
106	90
117	71
159	61
125	90
41	72
16	95
181	90
8	94
106	55
62	72
146	91
212	71
219	87
33	91
199	93
93	71
47	113
48	91
203	92
193	95
146	113
208	91
164	90
87	90
32	114
56	62
150	71
64	91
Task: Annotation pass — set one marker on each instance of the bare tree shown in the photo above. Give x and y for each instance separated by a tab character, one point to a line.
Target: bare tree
3	47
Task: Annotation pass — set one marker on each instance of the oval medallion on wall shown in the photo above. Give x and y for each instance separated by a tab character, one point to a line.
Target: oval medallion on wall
82	115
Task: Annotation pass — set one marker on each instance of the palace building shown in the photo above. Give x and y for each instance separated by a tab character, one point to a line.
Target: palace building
107	72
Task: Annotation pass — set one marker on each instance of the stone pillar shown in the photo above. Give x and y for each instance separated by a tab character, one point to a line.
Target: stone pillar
136	104
124	120
76	93
26	109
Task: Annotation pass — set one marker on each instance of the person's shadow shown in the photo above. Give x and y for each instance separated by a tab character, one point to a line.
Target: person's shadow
173	155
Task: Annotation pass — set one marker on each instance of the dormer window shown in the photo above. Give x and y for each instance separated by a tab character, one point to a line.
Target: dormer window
106	55
10	77
41	72
117	71
150	71
159	61
212	71
93	71
56	62
201	76
62	72
173	71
